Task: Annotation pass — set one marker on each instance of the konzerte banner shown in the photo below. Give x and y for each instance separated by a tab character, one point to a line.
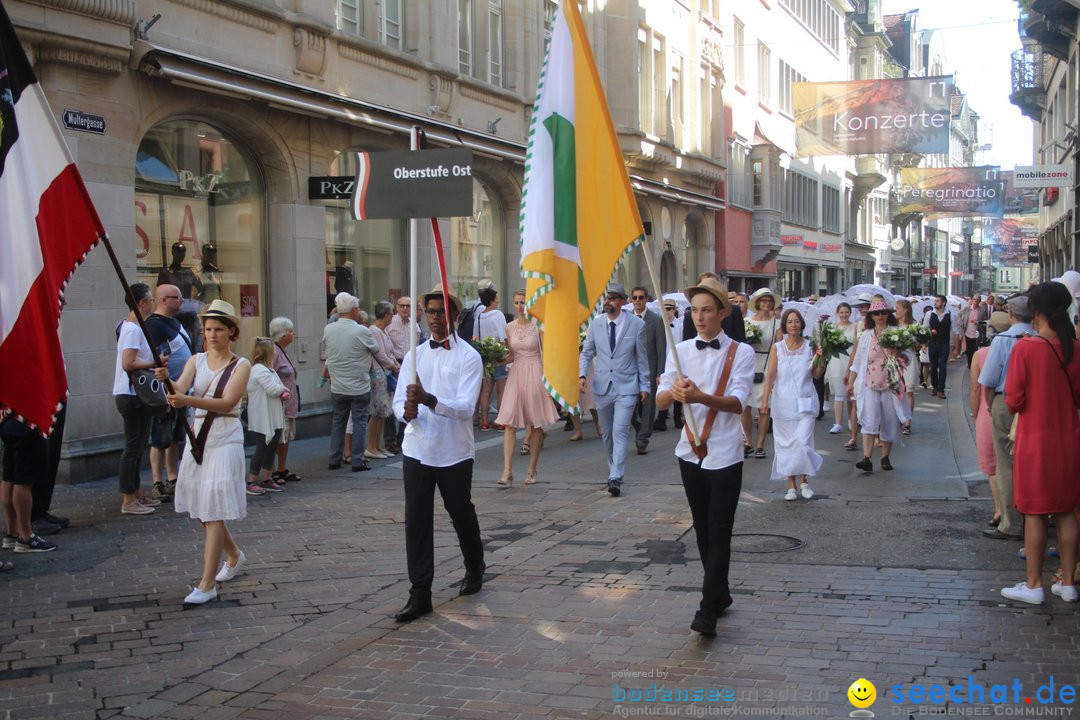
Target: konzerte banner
865	117
952	191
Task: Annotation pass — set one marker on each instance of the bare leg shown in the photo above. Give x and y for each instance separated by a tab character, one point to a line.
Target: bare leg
485	400
997	500
1067	530
17	500
763	420
282	455
1034	547
868	445
374	434
500	390
596	422
853	420
748	425
509	440
886	448
536	444
157	457
346	455
838	411
215	543
576	419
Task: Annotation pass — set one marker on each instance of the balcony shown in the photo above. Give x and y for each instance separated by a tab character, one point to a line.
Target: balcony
1028	82
1054	33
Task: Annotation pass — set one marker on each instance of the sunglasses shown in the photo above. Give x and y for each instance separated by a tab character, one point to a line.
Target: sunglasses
638	297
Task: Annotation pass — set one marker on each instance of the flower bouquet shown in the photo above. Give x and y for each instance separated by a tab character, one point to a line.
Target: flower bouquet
830	339
492	352
753	332
922	333
897	338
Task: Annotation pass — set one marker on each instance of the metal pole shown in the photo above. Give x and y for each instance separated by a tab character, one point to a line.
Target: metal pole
414	232
688	417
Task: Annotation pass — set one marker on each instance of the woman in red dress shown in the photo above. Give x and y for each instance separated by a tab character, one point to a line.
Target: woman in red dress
1046	459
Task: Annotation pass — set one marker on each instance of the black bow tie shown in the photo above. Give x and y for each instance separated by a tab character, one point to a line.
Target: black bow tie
435	344
702	344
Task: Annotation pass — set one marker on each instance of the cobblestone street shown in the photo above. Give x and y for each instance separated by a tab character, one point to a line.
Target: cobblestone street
587	600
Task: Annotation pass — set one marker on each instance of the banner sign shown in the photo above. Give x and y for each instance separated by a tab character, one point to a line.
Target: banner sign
791	240
413	184
1040	176
865	117
1009	239
1033	254
952	191
86	122
1019	200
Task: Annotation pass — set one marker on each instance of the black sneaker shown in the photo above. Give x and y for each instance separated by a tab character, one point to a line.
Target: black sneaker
885	464
33	545
866	465
63	522
44	527
162	493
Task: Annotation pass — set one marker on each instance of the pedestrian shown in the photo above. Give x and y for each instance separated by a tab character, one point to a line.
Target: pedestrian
26	460
526	405
835	371
656	350
620	377
940	323
133	354
398	332
718	373
42	521
167	431
671	316
905	318
762	304
984	424
1047	451
438	450
878	396
790	398
283	333
265	416
381	376
490	322
212	491
972	334
992	378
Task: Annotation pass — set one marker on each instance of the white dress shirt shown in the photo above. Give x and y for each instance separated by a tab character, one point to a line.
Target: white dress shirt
442	436
704	367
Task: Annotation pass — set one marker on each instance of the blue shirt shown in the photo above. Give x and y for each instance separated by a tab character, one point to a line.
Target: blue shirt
997	360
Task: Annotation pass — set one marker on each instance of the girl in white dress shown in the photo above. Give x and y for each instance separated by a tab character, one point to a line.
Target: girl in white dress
837	368
214	491
763	303
905	318
792	399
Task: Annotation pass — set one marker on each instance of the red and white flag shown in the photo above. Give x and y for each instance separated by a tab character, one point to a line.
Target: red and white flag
47	226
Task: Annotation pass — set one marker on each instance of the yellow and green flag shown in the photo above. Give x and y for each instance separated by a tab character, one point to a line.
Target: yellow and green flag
578	215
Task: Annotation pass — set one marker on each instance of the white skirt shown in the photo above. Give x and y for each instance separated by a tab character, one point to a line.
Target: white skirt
214	490
793	448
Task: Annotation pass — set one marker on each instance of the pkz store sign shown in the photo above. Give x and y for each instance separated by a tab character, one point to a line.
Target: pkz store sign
413	184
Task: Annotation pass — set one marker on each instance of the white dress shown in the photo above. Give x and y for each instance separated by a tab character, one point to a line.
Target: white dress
793	406
911	371
215	489
761	357
834	372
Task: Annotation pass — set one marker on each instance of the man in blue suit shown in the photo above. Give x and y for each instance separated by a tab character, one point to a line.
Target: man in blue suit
616	340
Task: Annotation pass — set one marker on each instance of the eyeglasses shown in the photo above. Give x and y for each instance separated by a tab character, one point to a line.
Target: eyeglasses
404	305
638	297
435	313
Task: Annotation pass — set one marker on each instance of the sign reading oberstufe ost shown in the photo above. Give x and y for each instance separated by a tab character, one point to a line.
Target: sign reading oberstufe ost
413	184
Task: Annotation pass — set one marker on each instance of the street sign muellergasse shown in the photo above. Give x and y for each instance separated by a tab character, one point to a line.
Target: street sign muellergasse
413	184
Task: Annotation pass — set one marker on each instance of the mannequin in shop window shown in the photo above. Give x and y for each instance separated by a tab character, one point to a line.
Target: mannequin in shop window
210	274
178	275
344	277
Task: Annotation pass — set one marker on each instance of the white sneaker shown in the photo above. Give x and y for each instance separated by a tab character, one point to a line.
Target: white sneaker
1021	592
1065	592
227	571
806	491
791	494
836	429
198	597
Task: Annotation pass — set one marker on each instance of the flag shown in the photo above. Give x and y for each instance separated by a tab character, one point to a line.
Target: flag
578	215
48	226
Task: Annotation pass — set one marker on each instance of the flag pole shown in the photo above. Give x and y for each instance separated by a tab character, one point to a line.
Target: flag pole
142	326
414	231
688	417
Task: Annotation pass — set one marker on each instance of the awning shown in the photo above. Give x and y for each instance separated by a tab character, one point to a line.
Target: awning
676	194
202	73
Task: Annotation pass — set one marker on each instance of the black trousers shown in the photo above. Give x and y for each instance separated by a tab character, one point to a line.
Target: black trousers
939	365
713	496
455	486
43	488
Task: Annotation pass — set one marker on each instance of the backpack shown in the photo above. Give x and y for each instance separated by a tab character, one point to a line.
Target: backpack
467	323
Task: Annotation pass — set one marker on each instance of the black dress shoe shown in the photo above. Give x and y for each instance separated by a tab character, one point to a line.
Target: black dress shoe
995	534
614	489
660	426
642	450
473	581
334	466
866	465
413	609
57	520
704	623
886	464
362	467
44	527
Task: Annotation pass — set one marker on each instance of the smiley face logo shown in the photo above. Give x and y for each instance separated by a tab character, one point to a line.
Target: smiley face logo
862	693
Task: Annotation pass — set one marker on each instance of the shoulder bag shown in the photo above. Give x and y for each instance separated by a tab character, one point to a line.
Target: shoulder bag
150	391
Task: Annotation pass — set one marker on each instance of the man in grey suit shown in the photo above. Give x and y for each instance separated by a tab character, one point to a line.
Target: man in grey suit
656	349
620	377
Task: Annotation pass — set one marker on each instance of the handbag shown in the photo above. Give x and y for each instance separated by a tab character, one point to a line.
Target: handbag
150	391
759	377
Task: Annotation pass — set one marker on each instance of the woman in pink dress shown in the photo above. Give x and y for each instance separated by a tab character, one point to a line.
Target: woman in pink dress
526	404
984	430
1042	388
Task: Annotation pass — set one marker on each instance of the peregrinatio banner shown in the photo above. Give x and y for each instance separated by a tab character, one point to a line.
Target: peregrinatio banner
865	117
952	191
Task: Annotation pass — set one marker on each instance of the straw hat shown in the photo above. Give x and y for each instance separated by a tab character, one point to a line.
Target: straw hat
220	309
437	292
714	287
999	320
758	294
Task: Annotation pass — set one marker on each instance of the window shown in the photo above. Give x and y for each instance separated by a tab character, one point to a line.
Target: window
495	39
764	60
465	37
350	16
390	26
800	199
659	85
644	82
199	220
788	76
820	18
677	99
740	57
757	183
476	245
830	209
738	174
551	7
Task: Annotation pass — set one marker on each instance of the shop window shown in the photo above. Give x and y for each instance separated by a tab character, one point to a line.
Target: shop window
476	247
365	258
199	220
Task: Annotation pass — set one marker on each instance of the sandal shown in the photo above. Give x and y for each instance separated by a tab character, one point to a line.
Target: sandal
849	445
530	477
906	430
1051	551
576	436
524	449
506	480
759	453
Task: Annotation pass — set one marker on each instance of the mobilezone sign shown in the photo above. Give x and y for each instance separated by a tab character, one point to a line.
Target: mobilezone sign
1040	176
